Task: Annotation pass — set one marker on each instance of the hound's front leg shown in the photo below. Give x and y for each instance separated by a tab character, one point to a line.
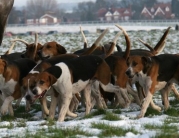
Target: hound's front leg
53	106
154	106
145	105
44	108
71	114
66	96
5	105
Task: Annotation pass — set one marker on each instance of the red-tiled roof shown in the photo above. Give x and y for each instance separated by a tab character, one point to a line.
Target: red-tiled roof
158	9
103	11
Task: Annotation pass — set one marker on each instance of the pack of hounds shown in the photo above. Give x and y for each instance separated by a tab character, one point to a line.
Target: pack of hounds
92	76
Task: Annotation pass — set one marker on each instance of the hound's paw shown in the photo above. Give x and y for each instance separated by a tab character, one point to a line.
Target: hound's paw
4	109
166	107
140	116
159	109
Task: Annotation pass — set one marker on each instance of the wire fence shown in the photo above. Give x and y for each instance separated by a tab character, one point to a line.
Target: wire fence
92	23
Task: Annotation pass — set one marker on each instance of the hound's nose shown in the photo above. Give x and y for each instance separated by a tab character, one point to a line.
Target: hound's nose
128	72
34	91
27	97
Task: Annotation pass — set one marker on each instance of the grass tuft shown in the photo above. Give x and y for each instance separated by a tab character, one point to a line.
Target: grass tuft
20	112
111	117
95	113
151	112
59	133
21	124
117	111
172	112
7	118
164	135
109	131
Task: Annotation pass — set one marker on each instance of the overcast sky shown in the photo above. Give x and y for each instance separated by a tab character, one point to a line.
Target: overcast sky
23	2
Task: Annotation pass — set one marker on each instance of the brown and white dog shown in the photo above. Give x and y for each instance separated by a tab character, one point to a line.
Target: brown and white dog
149	71
28	82
11	74
51	49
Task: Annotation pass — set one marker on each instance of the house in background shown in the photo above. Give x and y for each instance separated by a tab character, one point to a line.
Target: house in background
114	14
48	19
158	11
45	19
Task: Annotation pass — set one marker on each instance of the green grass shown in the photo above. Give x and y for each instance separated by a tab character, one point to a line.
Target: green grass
7	118
117	111
172	112
111	117
107	115
171	119
174	102
20	112
163	128
151	112
10	126
109	131
21	124
59	133
166	130
95	113
163	135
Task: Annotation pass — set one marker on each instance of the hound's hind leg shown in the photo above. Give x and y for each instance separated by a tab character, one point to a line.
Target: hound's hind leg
87	95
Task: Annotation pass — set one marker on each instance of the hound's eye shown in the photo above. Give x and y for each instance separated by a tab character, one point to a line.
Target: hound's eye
134	64
48	46
41	82
32	86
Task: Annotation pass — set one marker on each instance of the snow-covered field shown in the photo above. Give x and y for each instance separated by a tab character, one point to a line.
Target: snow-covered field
149	126
75	27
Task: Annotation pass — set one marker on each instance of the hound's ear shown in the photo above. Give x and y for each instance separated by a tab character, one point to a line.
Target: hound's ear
147	62
5	63
52	79
127	61
61	49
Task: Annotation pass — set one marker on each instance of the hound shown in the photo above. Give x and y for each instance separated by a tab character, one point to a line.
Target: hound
149	71
11	74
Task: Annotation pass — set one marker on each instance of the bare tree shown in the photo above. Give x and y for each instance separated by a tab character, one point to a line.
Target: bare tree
37	8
